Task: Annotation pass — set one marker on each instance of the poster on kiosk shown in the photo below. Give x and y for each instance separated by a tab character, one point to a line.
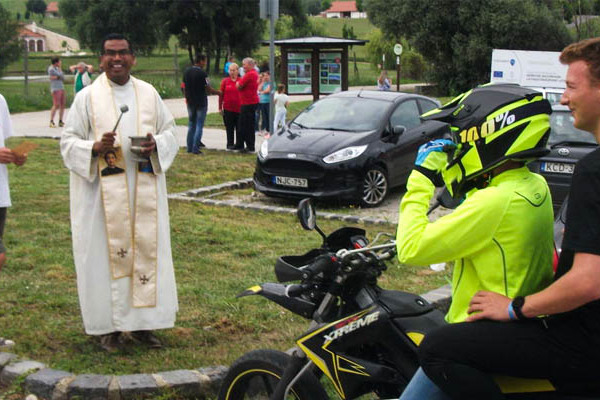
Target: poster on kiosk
540	70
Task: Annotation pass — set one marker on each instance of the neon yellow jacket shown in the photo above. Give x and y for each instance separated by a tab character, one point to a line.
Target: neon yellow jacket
500	237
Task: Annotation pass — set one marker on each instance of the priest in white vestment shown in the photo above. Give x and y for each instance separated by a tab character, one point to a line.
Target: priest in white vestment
120	222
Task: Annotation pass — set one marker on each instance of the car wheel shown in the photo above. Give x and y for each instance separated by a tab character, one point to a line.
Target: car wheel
375	187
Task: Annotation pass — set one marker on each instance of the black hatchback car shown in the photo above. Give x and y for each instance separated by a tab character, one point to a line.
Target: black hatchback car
567	146
351	146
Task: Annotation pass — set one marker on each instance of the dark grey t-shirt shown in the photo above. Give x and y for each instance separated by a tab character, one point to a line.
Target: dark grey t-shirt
56	84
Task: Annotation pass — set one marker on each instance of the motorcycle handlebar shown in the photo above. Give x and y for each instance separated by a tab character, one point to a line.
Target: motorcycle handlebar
321	264
343	254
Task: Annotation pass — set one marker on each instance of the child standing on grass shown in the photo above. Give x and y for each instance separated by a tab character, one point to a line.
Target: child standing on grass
281	101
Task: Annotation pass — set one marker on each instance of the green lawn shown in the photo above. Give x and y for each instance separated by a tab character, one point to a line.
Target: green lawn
218	252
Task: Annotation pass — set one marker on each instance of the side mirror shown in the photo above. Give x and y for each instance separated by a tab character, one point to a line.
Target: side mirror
308	217
307	214
398	130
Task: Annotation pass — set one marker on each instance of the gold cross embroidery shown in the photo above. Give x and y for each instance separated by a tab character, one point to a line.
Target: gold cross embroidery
144	279
122	253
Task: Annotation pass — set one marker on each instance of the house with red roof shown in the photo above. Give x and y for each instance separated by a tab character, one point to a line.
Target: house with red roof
52	9
38	39
344	9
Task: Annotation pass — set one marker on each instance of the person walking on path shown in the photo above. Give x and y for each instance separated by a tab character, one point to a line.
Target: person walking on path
196	85
83	75
230	104
247	86
57	88
120	222
7	156
264	101
281	101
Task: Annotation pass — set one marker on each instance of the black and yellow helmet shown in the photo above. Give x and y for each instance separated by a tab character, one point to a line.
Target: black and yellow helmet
492	124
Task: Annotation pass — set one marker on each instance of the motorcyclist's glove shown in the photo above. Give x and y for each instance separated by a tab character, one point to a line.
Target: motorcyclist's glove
431	159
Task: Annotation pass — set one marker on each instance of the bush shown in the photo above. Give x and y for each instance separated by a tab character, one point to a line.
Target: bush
413	65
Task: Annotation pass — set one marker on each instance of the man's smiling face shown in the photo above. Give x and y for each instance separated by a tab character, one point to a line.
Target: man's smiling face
117	60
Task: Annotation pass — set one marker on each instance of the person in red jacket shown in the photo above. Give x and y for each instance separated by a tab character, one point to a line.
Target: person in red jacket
230	104
248	87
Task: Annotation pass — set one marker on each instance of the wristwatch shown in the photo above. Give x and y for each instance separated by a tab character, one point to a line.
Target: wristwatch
517	305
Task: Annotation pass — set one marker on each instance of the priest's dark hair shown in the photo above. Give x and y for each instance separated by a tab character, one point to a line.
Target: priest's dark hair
115	36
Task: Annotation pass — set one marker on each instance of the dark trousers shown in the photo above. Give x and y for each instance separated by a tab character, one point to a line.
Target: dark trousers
459	358
246	131
2	221
264	112
231	120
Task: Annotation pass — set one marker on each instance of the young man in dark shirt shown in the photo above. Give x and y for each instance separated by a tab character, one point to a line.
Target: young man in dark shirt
555	333
196	86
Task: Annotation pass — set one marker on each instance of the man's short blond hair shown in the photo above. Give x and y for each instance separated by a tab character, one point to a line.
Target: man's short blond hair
249	60
587	50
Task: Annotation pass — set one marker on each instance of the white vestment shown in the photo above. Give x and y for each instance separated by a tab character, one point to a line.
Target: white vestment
106	303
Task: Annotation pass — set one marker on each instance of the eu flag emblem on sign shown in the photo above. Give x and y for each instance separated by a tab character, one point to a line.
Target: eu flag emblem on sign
497	74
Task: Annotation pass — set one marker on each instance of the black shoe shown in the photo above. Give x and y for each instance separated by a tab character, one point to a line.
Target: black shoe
197	152
148	338
111	342
201	145
249	150
230	147
238	149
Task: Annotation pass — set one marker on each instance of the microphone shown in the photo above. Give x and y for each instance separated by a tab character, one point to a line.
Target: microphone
123	109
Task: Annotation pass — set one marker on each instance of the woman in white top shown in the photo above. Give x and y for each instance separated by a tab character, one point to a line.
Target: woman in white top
281	101
383	82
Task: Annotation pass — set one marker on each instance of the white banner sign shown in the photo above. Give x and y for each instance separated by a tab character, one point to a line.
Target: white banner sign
528	68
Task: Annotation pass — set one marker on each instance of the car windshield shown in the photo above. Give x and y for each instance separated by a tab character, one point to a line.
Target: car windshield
563	130
352	114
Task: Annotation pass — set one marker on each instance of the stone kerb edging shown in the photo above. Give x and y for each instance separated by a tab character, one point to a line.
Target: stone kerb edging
52	384
202	195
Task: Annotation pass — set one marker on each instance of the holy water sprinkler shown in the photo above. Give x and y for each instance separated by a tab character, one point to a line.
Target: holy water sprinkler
123	109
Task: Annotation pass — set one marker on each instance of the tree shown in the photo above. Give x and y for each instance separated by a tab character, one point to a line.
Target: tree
313	7
325	4
9	40
213	26
36	7
92	20
457	37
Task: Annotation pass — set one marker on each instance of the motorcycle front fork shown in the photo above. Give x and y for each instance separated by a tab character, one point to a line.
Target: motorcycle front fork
298	365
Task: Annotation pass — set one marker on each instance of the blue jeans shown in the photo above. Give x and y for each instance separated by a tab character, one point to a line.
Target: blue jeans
421	387
196	117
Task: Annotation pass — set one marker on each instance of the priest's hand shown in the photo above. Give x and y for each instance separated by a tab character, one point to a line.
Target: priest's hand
149	146
105	144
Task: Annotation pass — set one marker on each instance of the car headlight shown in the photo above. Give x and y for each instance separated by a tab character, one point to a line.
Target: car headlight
345	154
264	149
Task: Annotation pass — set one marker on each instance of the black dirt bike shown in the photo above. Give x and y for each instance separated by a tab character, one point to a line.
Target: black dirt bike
361	337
